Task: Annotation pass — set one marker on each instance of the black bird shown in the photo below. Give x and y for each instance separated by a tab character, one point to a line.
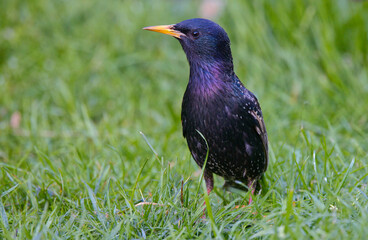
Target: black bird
217	110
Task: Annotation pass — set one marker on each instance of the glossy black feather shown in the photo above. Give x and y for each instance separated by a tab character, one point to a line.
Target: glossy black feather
231	121
219	110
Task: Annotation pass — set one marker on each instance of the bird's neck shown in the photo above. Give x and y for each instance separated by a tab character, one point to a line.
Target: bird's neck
209	78
207	73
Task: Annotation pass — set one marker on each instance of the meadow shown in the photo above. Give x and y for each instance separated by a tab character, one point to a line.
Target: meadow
91	145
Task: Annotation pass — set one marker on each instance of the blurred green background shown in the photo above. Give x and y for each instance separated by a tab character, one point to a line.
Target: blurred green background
79	81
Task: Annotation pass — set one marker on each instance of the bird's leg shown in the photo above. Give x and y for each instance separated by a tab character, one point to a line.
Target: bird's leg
252	188
208	178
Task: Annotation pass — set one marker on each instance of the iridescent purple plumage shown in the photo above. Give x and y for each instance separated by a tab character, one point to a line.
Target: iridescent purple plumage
217	110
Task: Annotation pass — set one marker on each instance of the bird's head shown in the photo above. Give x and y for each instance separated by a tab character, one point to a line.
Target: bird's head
201	39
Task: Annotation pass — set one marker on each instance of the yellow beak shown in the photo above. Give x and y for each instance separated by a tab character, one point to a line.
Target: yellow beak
165	29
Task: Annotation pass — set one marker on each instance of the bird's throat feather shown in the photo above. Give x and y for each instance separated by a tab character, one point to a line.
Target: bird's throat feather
208	80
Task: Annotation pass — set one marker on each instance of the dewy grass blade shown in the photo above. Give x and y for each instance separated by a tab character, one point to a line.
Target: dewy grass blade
9	191
300	174
345	176
360	179
150	146
215	229
315	171
41	223
114	232
96	208
4	217
137	179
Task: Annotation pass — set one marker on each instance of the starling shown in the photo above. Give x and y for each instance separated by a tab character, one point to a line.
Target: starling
222	120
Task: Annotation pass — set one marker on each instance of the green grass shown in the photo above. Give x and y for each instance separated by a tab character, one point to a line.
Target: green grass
86	80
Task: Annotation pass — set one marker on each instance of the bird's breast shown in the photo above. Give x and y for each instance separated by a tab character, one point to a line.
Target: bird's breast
206	110
223	120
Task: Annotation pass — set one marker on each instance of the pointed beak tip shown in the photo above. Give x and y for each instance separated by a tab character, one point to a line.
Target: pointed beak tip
165	29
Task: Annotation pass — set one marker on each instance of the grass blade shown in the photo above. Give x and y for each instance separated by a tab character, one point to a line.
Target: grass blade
345	176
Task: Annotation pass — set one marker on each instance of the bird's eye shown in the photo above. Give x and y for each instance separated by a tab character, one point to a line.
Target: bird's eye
195	34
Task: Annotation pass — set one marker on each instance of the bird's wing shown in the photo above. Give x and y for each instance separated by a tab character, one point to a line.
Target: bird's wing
255	117
261	131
